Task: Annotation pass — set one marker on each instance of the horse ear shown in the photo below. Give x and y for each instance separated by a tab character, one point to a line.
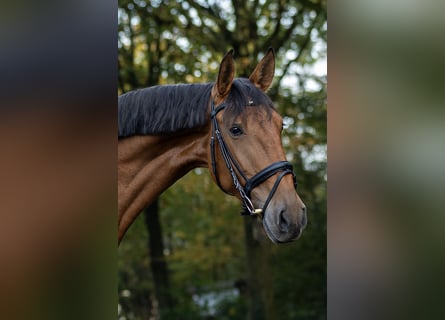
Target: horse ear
225	75
263	74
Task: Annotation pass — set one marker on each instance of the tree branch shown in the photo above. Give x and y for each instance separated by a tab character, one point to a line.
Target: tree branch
303	47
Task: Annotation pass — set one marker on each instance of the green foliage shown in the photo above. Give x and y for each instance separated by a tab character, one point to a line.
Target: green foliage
135	288
204	232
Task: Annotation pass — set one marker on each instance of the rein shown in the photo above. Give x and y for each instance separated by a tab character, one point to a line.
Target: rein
281	166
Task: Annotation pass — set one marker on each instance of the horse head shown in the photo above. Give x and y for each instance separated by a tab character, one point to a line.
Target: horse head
246	154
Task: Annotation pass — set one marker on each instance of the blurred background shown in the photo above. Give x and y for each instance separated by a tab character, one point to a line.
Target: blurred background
191	255
386	160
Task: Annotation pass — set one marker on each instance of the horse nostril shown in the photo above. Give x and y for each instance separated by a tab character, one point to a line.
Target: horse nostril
304	217
283	222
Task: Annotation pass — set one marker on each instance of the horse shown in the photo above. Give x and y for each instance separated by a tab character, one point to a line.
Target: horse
230	127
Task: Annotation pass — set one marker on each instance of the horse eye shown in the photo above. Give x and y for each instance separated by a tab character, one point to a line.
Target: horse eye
236	131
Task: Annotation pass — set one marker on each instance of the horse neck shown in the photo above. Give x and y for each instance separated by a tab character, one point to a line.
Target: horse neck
148	165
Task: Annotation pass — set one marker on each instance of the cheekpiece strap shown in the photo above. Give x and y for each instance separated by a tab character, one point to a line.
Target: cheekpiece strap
214	111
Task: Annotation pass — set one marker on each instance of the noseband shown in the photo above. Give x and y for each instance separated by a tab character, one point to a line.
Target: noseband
281	166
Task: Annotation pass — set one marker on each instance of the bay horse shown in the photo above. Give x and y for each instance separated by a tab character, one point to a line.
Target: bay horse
230	126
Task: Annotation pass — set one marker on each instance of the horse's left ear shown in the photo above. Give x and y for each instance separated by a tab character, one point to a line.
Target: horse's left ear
263	74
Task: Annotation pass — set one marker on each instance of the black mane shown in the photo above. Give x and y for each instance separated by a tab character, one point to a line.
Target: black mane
172	108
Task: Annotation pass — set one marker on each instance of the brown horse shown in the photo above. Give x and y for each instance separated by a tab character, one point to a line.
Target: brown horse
229	126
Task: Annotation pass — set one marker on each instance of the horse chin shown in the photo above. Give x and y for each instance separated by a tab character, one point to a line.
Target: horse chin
269	233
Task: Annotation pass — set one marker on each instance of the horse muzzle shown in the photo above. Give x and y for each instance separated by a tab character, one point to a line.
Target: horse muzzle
283	223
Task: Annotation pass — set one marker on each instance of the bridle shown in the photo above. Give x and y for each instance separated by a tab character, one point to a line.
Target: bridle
281	166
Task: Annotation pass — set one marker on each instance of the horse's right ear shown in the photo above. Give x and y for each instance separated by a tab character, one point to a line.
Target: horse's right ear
263	74
225	75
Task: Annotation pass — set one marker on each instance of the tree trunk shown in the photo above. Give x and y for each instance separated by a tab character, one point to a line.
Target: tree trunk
259	275
157	259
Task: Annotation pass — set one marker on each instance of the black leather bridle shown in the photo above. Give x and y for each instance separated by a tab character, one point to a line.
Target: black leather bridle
281	166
